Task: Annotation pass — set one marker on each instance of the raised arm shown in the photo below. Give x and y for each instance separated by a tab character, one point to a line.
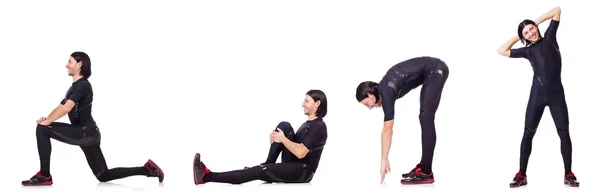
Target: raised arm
553	14
505	48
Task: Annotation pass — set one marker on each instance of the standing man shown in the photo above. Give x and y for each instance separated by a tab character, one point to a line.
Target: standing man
400	79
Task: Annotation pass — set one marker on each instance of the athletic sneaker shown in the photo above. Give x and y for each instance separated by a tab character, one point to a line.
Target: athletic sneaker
200	170
412	172
154	170
571	180
418	178
519	180
38	180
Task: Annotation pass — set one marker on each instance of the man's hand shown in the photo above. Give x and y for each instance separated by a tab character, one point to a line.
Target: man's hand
277	136
385	168
40	120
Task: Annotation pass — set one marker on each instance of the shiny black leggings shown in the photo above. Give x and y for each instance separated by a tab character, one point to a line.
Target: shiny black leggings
88	139
289	171
431	94
560	114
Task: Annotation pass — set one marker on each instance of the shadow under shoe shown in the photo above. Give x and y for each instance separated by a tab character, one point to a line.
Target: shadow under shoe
571	180
154	170
418	178
38	180
519	180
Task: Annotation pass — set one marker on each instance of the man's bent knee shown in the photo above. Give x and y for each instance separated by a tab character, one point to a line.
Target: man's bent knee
42	130
285	126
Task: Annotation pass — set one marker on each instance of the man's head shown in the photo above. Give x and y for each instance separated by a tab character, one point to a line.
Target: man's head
528	32
368	94
79	64
315	103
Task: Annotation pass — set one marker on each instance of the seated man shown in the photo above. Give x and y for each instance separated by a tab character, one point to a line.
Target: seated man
301	151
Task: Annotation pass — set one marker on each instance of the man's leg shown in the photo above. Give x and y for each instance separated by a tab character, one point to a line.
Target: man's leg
63	132
560	114
431	94
277	148
533	115
291	172
97	163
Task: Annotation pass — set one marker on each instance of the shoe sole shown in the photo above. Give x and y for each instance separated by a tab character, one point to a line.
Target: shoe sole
196	160
160	178
572	185
518	185
417	183
42	184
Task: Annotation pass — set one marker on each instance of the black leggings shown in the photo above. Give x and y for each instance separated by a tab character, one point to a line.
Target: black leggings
88	138
291	170
431	93
560	114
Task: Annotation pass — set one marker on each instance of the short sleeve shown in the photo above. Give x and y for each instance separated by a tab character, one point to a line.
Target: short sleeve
316	135
519	52
78	91
388	103
552	29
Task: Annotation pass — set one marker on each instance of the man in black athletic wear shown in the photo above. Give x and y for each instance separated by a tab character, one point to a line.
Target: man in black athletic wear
401	78
82	131
300	151
547	90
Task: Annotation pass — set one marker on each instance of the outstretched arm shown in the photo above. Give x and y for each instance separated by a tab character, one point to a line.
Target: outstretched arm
505	48
553	14
58	112
386	139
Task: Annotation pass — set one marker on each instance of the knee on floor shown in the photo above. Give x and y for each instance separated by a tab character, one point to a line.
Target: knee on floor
101	177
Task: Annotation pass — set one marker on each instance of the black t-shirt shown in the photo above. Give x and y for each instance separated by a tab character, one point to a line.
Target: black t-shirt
81	93
401	79
545	60
313	134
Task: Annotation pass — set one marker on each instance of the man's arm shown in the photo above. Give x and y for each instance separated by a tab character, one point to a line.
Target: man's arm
553	14
386	138
58	112
314	137
505	49
298	149
67	104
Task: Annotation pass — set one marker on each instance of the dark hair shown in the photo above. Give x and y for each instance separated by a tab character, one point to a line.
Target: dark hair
86	63
318	95
520	31
365	88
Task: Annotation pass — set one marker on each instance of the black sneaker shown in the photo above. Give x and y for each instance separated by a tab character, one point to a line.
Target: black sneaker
200	170
519	180
154	170
571	180
38	180
412	172
418	178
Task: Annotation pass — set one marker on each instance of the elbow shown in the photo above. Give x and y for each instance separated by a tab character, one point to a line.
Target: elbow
302	153
503	52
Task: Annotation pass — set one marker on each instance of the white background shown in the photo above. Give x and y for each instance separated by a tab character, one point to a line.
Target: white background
175	78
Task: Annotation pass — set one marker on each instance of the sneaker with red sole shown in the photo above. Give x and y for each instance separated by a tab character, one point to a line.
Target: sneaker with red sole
200	170
518	181
38	180
412	172
419	178
154	170
571	180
